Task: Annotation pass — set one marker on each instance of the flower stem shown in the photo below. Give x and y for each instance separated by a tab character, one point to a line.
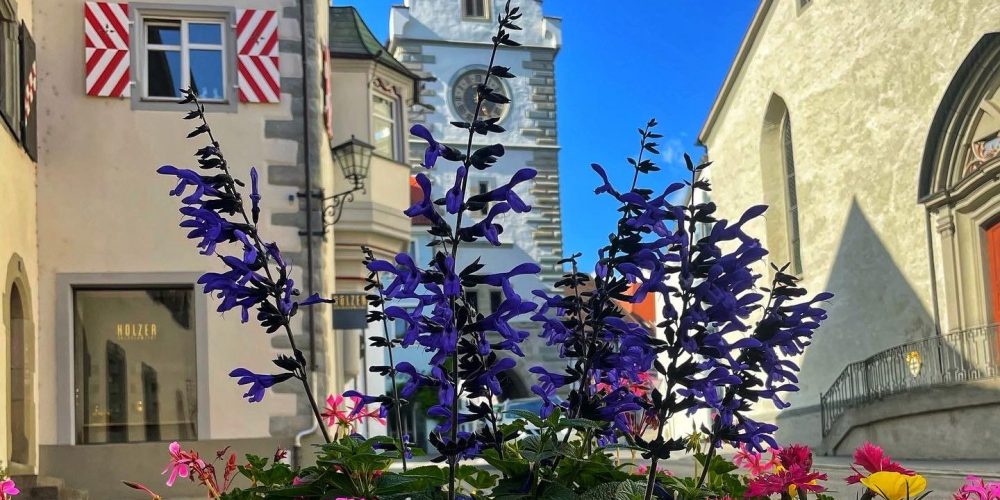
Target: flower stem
259	245
453	460
392	370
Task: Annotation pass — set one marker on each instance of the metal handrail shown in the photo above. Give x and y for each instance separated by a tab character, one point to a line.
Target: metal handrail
962	356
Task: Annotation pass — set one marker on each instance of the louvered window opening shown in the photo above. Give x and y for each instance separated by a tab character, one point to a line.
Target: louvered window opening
475	8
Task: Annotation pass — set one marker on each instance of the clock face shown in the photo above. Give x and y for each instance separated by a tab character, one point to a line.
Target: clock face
464	97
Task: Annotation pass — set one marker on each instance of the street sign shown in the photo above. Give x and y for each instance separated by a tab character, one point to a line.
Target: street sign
350	311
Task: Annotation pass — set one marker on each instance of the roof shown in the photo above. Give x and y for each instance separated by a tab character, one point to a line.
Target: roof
763	9
350	38
416	195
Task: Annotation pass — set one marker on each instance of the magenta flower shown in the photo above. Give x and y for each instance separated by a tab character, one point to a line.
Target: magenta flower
981	489
8	489
792	475
180	463
871	458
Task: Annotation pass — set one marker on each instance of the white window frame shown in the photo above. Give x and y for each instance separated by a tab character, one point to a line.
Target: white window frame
486	10
394	120
185	48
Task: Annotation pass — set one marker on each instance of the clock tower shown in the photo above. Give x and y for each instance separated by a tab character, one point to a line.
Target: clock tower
449	43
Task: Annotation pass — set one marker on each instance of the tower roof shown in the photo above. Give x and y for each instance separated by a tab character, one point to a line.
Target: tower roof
350	38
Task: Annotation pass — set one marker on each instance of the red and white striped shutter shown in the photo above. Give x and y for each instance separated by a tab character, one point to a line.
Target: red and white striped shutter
327	92
257	55
106	46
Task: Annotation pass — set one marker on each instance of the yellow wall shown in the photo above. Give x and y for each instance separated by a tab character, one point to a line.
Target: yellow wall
18	258
862	81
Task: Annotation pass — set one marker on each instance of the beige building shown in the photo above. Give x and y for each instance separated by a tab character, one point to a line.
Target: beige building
100	283
18	240
870	128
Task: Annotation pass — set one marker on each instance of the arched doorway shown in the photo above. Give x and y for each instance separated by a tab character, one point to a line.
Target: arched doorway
957	187
993	257
19	390
18	340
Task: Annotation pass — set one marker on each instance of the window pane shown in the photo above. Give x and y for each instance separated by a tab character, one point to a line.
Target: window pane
205	33
135	365
495	299
163	71
382	107
11	77
382	136
164	34
206	73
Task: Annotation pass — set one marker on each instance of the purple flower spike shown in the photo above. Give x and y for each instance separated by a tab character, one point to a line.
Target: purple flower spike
258	382
434	148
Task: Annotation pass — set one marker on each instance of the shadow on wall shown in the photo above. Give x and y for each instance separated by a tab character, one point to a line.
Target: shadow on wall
874	308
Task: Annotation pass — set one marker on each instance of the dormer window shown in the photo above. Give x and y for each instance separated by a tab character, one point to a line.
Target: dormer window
475	9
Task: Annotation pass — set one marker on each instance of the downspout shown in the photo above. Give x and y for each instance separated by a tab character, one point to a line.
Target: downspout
297	451
307	159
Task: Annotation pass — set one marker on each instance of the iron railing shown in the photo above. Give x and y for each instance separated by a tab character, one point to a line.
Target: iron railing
962	356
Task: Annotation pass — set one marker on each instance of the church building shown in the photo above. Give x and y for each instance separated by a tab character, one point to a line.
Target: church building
871	130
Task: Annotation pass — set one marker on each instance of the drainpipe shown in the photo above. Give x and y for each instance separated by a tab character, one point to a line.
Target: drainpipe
307	159
297	451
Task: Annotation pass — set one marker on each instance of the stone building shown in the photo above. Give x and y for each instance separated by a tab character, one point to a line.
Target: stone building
100	283
870	128
449	42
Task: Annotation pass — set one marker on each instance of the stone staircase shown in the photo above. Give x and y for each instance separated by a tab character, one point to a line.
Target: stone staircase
34	487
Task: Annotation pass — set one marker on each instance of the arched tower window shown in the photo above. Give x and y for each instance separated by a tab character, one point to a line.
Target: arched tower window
788	162
780	191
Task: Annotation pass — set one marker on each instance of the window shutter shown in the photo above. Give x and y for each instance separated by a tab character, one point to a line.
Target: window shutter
106	46
327	92
29	84
257	56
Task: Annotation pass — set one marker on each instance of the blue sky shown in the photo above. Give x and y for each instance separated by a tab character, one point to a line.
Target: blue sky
618	67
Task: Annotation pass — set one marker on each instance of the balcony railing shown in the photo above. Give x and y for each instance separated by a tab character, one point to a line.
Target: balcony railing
962	356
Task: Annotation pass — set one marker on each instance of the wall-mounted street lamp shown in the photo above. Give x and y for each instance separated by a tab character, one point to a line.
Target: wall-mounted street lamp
354	158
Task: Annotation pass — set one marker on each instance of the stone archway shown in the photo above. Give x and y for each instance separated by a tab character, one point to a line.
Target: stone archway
20	347
958	186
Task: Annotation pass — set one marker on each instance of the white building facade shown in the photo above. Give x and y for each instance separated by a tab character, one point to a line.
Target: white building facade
448	42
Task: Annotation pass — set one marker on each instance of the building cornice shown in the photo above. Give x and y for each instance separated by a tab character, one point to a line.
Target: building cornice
396	40
749	39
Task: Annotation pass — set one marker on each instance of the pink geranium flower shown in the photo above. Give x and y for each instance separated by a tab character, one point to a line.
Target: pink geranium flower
753	461
338	414
8	488
334	413
981	489
873	459
179	465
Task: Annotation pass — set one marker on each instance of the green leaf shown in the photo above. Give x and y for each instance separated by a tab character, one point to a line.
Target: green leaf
476	477
530	416
579	424
622	490
556	491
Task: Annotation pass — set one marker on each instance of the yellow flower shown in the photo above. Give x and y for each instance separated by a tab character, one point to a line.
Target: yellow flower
894	485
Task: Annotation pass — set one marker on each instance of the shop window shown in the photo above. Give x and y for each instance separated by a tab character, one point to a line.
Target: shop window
135	365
